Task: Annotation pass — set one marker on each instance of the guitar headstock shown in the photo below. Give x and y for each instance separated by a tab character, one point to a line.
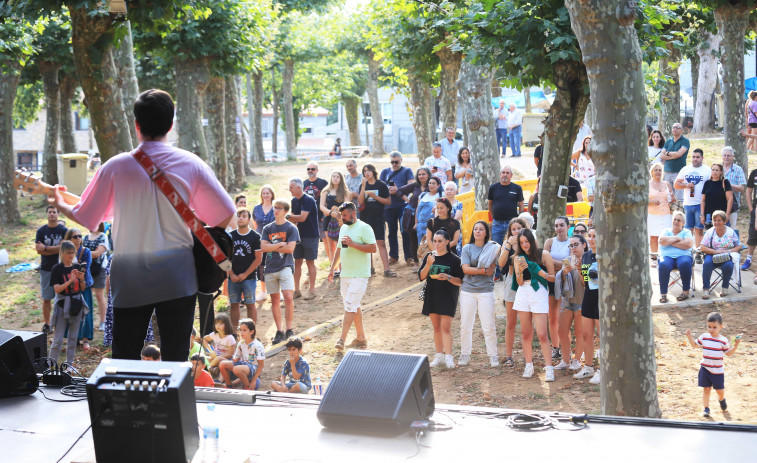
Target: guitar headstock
26	182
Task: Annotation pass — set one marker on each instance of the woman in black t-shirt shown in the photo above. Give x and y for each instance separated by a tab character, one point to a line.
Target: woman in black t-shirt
68	282
717	195
444	220
373	196
589	311
443	274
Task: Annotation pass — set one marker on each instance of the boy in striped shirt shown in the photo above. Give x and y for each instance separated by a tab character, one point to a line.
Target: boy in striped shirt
711	372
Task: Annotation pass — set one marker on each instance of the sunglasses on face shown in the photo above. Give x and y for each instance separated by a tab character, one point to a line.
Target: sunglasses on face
395	162
312	169
76	237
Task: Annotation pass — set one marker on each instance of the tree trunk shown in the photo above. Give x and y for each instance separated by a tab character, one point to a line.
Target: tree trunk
9	76
561	127
694	78
351	105
732	22
418	102
192	79
67	91
611	53
476	96
670	95
371	87
256	126
450	71
286	89
276	102
123	55
98	78
243	142
432	121
589	117
704	120
365	122
216	140
496	89
527	98
234	134
49	73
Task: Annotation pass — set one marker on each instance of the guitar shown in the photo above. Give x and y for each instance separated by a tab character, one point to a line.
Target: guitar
27	183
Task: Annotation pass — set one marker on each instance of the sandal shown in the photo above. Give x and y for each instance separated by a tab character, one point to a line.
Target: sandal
705	294
85	345
390	274
682	297
509	362
663	298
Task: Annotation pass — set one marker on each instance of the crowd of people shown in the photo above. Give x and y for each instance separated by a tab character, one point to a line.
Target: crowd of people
550	283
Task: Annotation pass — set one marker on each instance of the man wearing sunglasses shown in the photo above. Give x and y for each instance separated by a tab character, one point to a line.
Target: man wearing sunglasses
396	177
312	186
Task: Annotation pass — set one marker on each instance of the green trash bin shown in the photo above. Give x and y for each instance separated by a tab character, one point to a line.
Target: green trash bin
72	172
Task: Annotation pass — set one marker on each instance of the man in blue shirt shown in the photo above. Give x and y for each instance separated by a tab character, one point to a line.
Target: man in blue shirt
396	177
674	153
305	215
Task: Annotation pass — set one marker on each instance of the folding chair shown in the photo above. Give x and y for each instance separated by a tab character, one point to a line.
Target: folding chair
675	275
735	282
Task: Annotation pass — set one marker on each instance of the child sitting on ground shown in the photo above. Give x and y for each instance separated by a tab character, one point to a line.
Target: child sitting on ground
196	348
202	378
220	343
248	360
711	372
296	369
151	353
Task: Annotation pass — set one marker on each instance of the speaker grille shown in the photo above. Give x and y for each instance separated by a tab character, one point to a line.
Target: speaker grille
382	377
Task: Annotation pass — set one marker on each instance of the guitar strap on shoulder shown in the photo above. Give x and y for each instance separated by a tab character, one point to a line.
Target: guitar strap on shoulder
186	214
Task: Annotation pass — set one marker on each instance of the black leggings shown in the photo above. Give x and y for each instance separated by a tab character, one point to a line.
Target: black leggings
175	319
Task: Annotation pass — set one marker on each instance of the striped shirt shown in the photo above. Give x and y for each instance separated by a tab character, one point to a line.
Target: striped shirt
713	352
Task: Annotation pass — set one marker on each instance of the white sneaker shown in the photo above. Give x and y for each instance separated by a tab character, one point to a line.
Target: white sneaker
585	372
463	360
494	361
438	360
529	371
596	379
550	374
561	366
449	361
575	365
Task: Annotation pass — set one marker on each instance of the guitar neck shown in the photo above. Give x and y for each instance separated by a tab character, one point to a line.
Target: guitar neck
31	185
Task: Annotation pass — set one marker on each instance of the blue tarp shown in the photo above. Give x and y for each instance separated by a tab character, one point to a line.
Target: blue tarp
520	102
749	85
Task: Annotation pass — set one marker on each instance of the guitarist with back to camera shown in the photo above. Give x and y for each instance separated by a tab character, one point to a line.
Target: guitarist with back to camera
153	265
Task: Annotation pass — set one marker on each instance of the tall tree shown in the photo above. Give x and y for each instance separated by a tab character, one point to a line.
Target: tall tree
707	77
612	55
68	85
372	86
16	37
123	54
476	93
732	18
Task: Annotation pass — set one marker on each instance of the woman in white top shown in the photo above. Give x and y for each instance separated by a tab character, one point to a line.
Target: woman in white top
581	163
558	249
654	150
464	170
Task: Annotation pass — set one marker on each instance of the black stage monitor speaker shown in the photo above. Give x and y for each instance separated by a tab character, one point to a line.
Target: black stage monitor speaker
143	411
17	375
378	391
35	342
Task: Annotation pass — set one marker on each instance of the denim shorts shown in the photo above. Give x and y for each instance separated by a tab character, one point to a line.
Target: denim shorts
48	292
303	389
253	369
246	287
572	307
692	217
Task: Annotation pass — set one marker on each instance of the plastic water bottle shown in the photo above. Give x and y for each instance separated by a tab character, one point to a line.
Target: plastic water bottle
210	447
318	387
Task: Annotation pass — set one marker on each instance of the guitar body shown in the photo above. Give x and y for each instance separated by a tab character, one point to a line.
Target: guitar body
26	183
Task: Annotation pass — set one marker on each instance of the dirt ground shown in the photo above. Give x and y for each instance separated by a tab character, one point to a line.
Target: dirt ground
400	327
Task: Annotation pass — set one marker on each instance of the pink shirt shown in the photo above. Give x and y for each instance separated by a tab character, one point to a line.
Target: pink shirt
153	259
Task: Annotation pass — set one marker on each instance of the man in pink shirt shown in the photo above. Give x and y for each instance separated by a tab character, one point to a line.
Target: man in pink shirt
153	266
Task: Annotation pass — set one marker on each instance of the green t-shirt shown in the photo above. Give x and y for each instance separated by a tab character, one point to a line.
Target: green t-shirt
675	165
356	263
197	349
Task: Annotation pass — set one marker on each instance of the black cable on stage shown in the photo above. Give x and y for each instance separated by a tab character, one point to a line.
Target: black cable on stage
655	422
60	400
97	417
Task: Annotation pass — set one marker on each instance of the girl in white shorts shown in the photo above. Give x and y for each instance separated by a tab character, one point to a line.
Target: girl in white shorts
529	268
511	316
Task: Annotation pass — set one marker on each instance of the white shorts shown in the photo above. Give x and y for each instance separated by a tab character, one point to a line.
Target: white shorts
657	223
528	300
352	289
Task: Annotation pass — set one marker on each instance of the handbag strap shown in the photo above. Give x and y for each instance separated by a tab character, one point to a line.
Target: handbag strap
186	214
